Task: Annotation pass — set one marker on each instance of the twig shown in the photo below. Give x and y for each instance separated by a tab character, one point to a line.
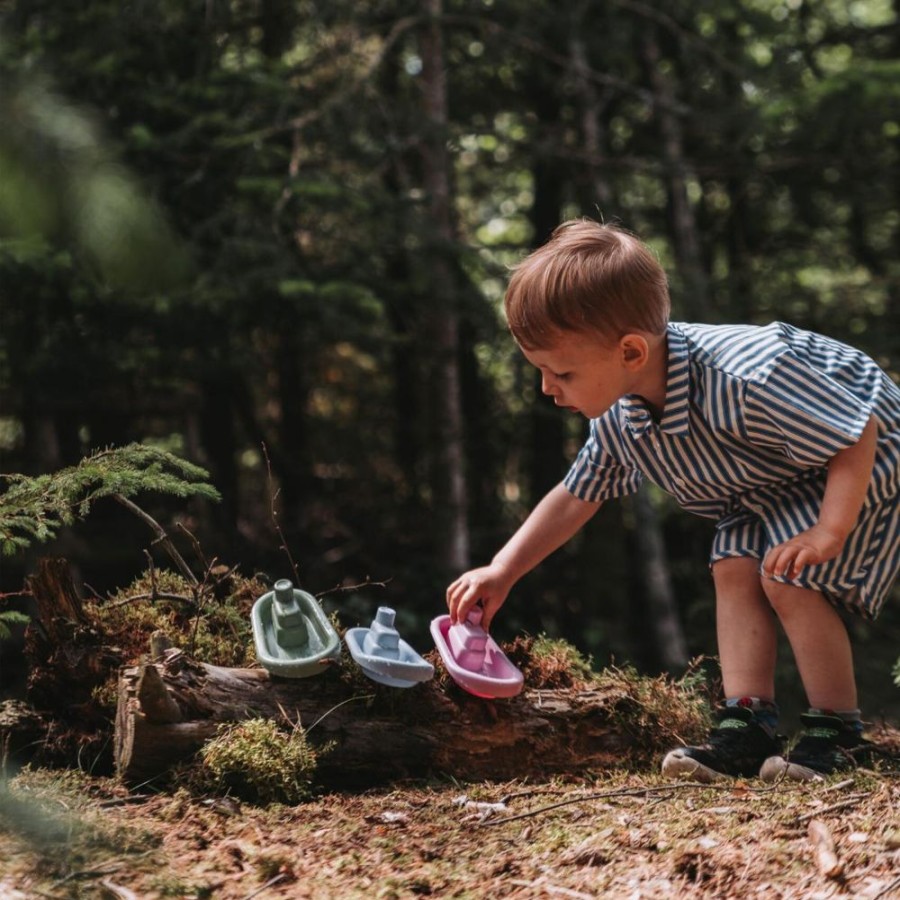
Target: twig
838	787
195	544
272	881
887	890
122	892
153	596
841	804
273	495
94	593
827	861
354	587
88	874
548	888
125	801
621	792
533	792
337	706
151	570
161	536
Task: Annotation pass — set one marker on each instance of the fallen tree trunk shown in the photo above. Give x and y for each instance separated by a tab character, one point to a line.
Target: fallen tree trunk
168	709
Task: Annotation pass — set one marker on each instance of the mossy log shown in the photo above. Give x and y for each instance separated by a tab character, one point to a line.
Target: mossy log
169	706
168	709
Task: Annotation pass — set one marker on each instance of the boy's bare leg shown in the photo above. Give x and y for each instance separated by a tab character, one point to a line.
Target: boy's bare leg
746	629
820	644
744	739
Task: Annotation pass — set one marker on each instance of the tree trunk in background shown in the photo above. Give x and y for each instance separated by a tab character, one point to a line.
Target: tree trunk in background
892	314
592	125
658	596
547	457
217	434
662	619
442	318
277	19
685	240
741	162
406	354
293	463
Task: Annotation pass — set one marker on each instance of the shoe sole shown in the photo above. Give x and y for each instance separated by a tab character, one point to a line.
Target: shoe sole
776	768
677	765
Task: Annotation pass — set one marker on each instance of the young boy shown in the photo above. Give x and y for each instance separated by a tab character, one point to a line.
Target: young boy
789	440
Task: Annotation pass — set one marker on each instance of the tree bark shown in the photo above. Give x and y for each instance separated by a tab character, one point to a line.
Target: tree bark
442	328
68	656
658	596
685	239
168	710
663	619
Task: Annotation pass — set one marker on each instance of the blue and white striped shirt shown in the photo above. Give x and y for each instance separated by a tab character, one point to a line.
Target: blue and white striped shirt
747	409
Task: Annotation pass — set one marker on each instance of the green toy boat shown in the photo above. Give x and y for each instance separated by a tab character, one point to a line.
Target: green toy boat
291	633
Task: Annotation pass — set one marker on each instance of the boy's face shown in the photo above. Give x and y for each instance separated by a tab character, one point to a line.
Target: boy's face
583	374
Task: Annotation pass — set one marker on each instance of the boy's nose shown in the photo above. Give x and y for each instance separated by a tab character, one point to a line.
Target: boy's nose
546	385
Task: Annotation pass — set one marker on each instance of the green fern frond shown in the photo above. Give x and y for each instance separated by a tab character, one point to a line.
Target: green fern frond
32	509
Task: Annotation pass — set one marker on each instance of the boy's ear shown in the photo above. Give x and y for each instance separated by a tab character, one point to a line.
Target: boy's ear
635	350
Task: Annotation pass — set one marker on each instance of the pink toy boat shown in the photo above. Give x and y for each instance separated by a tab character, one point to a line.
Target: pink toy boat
473	659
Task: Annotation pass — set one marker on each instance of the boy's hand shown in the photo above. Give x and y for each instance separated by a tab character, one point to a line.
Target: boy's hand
489	584
809	548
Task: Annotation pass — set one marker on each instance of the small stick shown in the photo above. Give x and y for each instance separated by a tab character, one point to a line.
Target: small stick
273	496
621	792
887	890
272	881
826	858
161	537
843	804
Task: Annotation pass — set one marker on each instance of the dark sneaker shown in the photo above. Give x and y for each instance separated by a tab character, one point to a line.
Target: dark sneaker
737	746
827	745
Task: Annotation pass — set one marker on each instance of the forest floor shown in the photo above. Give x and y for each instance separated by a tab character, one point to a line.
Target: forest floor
618	835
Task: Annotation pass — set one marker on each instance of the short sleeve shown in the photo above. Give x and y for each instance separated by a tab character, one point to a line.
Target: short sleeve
803	412
596	475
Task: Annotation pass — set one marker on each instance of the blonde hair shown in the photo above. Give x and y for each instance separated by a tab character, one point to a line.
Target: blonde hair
587	277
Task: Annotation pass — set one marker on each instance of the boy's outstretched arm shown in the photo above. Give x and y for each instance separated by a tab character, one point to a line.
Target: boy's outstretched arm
551	523
849	474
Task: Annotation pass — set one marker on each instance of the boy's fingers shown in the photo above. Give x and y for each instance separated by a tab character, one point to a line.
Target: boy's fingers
455	597
770	563
778	561
805	557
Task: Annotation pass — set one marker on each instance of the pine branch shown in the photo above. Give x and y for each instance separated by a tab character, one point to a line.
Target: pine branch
33	509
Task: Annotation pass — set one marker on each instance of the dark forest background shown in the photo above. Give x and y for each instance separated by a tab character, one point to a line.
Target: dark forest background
272	236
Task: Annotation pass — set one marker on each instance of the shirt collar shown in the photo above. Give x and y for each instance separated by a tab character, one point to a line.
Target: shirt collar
676	415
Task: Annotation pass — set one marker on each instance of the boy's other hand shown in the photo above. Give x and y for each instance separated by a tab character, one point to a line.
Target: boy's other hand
489	584
809	548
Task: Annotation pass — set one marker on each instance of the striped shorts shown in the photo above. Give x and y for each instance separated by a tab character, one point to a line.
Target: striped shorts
860	579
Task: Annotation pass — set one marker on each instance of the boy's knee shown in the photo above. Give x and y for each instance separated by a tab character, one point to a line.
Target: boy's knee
735	569
779	595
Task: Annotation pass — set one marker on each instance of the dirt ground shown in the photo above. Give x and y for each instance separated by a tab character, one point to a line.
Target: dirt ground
617	835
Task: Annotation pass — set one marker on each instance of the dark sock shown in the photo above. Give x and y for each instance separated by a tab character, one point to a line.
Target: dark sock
765	712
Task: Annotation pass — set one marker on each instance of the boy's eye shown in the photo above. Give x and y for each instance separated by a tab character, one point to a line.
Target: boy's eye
562	376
